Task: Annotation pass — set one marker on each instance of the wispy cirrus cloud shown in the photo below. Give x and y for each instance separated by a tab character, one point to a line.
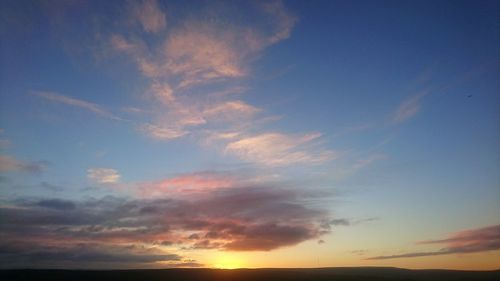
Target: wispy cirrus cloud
177	116
149	15
192	52
162	133
409	108
55	97
230	109
462	242
196	51
200	51
346	170
103	175
276	149
10	164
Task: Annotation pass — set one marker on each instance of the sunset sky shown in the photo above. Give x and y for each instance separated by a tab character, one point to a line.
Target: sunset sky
153	134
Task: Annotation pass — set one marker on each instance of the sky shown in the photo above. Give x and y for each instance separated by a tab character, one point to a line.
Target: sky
227	134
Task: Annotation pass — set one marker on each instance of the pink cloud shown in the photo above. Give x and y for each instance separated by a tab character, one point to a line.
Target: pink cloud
195	52
462	242
10	164
186	183
471	239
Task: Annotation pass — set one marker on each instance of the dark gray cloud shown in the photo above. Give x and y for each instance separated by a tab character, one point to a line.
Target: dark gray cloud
186	264
57	204
15	254
270	236
327	224
467	241
52	187
237	219
340	222
411	255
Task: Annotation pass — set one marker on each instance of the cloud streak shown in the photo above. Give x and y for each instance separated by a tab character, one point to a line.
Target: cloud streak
408	108
463	242
89	255
55	97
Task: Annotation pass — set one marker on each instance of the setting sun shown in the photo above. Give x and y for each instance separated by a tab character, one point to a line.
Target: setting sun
227	261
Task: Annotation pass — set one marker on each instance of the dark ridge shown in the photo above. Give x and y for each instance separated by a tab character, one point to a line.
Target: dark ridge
275	274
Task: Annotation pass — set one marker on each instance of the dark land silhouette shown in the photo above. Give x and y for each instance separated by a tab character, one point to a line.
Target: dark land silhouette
289	274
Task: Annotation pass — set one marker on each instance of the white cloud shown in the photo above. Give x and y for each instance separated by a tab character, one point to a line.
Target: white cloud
230	109
162	133
103	175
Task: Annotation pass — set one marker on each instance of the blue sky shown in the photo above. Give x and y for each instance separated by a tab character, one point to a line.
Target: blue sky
347	118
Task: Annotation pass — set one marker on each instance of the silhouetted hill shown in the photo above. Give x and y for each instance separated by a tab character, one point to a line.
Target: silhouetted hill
303	274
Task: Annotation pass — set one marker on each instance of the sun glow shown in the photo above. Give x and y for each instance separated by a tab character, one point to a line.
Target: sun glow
225	261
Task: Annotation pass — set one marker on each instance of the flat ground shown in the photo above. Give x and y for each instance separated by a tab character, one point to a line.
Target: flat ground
317	274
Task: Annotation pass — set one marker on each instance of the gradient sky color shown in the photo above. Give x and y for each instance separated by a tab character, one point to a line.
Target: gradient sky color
152	134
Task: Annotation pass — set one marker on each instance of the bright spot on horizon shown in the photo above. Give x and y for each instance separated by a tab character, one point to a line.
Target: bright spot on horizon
227	261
